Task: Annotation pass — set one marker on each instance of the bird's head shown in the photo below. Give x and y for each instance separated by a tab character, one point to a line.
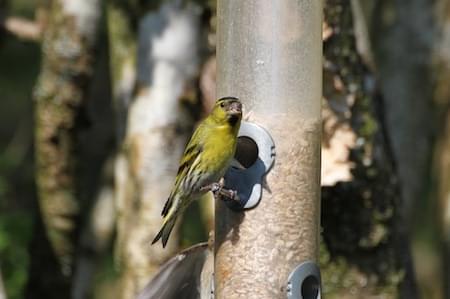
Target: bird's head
227	109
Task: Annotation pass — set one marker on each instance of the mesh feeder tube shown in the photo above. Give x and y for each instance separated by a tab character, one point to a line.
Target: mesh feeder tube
269	56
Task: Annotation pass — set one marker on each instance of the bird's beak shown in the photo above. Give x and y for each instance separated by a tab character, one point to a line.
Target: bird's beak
235	108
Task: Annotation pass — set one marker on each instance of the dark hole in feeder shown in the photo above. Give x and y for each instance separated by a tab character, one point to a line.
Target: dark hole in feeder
246	151
310	287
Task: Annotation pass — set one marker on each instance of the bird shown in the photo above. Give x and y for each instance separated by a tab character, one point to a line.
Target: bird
189	272
205	160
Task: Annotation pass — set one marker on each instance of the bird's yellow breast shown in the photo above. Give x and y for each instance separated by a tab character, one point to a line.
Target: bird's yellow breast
220	147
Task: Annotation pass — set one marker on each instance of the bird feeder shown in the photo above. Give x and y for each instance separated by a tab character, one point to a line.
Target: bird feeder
270	57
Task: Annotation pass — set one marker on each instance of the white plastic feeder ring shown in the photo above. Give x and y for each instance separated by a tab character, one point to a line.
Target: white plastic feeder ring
255	151
304	282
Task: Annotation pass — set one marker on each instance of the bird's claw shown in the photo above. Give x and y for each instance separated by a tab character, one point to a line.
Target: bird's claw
233	195
220	192
215	187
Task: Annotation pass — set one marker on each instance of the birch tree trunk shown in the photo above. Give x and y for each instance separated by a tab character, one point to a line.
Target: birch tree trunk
122	49
122	52
158	125
68	49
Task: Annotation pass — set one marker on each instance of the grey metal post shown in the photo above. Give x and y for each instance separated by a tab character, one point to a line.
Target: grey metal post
270	56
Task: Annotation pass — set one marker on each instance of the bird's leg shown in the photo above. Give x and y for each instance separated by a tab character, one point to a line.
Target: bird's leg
214	187
227	193
221	183
220	192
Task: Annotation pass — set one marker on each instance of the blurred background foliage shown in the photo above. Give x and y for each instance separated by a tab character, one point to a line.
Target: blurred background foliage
20	215
19	65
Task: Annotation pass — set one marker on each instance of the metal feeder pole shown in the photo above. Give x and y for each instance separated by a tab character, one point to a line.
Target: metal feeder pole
270	56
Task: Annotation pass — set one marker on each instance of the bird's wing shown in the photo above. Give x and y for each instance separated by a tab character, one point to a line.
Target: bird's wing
192	152
183	276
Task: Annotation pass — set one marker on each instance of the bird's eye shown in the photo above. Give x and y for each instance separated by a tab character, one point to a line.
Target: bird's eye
222	105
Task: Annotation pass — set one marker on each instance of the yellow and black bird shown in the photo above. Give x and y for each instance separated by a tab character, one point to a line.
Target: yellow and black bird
205	160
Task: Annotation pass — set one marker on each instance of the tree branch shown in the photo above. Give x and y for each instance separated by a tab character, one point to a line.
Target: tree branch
22	28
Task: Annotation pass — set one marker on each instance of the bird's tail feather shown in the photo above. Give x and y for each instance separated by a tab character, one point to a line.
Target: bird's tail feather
164	233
